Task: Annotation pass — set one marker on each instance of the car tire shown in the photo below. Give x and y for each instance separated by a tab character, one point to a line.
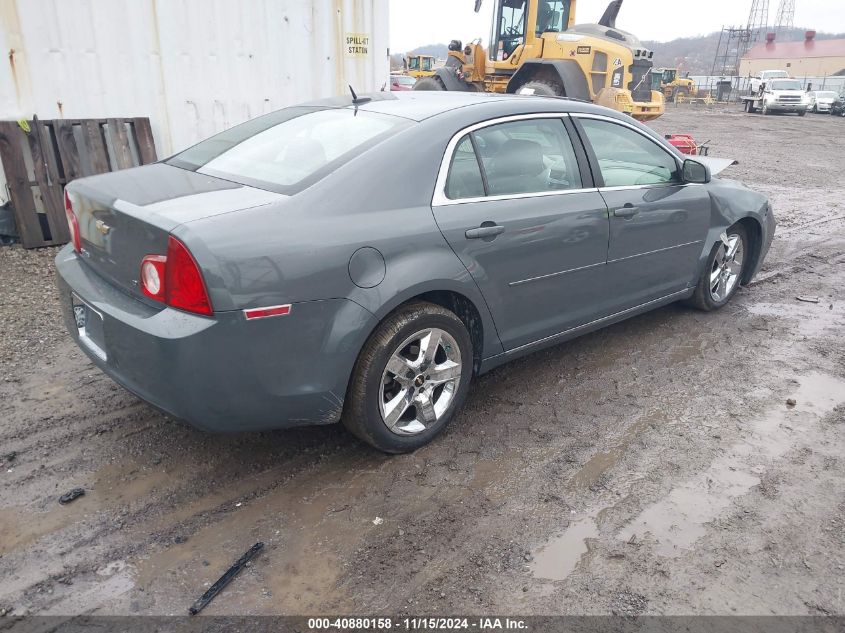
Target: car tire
802	113
765	109
376	383
714	272
429	83
540	88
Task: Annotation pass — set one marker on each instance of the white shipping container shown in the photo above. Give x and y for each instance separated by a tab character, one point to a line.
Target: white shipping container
194	67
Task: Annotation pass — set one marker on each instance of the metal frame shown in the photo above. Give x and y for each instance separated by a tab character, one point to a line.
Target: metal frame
439	199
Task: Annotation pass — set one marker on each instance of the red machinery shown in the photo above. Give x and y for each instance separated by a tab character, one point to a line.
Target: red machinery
686	144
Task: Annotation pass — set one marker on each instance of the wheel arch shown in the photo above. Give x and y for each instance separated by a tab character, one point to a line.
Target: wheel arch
476	318
754	231
567	73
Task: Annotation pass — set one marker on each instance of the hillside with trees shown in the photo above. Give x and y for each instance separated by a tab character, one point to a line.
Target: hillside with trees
690	54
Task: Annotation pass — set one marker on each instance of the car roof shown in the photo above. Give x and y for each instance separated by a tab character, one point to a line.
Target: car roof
419	105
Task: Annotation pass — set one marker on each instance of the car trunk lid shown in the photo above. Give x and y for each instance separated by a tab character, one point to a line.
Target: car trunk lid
126	215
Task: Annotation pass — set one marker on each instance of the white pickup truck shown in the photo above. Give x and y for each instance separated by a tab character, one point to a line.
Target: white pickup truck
764	77
779	95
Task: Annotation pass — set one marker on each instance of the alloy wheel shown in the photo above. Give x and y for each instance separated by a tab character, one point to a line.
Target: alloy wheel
420	381
727	267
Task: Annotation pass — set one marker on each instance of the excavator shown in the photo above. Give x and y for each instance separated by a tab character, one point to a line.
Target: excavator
536	48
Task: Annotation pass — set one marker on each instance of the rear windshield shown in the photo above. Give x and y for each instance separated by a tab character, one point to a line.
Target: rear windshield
786	84
291	149
826	95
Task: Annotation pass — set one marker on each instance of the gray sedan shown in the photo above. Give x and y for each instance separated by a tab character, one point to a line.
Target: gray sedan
362	262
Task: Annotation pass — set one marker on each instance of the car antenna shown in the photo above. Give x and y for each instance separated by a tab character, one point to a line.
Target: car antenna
356	100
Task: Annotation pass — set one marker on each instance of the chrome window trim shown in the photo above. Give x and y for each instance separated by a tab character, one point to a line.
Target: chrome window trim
441	200
607	119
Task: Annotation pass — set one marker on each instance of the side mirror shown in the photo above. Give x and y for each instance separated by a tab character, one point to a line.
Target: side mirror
696	173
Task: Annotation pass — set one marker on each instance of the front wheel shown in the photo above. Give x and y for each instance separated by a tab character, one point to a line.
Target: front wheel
410	379
723	272
540	88
429	83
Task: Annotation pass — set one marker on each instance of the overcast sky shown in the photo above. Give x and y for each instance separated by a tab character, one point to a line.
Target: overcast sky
414	23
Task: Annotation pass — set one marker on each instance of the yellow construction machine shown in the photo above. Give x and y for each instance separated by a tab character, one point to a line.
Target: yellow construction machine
536	48
673	87
419	66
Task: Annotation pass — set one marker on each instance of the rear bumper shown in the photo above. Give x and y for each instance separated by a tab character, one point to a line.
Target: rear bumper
221	374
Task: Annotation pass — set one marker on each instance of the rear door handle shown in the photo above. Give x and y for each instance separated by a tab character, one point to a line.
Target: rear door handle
487	231
627	212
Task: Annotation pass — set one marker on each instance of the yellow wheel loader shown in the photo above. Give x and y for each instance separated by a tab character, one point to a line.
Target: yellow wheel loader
536	48
673	87
419	66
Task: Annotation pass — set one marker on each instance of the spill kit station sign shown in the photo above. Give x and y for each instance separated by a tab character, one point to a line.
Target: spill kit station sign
357	44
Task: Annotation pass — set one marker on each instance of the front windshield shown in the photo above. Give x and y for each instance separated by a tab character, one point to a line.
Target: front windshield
427	63
825	95
786	84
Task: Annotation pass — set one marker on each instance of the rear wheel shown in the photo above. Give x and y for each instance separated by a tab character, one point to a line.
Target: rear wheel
429	83
802	113
540	88
410	379
723	272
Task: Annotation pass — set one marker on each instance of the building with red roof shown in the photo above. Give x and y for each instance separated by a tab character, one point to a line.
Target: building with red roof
810	58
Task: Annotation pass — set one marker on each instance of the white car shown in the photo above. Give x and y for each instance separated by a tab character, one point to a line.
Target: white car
821	100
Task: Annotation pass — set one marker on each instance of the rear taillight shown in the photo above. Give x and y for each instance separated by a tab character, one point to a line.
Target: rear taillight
175	279
152	276
72	224
183	284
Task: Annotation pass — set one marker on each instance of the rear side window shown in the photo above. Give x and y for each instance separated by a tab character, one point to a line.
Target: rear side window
465	179
519	157
627	158
289	150
531	156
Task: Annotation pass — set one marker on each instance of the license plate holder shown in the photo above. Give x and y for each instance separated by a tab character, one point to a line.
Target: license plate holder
89	326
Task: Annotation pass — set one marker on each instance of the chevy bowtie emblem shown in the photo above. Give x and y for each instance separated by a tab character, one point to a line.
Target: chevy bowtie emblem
102	227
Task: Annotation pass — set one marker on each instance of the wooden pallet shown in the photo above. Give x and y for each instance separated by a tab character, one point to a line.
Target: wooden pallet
38	163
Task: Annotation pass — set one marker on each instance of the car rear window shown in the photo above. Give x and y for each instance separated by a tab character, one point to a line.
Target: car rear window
291	149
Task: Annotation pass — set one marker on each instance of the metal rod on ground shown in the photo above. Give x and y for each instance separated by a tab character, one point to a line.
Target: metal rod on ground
225	579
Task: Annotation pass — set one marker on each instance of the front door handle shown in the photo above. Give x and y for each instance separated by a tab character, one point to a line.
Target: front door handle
627	212
487	231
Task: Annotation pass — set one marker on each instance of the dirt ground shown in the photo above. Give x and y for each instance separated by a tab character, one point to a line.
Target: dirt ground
650	468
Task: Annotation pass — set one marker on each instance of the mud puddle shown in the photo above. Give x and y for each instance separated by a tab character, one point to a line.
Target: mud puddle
811	319
679	519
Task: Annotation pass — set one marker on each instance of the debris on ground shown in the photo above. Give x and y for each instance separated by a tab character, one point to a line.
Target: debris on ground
791	402
378	521
809	299
225	579
71	495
